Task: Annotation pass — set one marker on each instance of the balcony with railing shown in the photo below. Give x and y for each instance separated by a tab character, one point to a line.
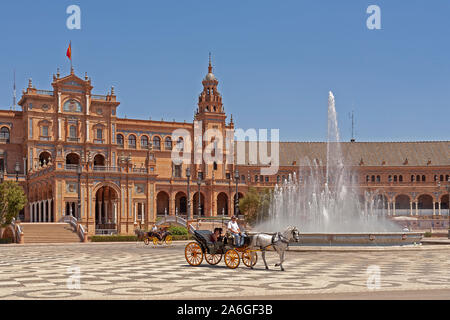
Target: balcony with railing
71	167
140	170
106	169
73	139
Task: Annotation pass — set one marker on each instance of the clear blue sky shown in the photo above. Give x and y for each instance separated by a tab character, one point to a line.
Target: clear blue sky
275	60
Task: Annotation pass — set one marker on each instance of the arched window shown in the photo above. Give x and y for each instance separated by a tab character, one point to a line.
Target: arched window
400	178
157	143
412	178
180	144
418	178
132	141
441	177
168	143
144	142
447	178
73	132
423	178
278	179
215	165
256	178
378	179
373	179
119	139
367	178
4	134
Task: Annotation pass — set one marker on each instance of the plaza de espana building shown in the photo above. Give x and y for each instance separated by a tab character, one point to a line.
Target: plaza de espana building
68	144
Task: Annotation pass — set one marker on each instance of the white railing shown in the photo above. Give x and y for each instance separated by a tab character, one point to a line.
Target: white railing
79	229
18	233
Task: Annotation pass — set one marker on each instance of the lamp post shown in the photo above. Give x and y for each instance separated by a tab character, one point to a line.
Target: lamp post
199	183
17	169
79	170
188	176
448	209
236	200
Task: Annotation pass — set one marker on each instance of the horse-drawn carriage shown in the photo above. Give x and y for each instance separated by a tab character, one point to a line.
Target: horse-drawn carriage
204	247
157	237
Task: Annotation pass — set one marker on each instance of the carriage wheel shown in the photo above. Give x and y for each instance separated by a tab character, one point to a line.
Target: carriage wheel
232	259
155	241
213	259
147	241
193	254
249	258
168	240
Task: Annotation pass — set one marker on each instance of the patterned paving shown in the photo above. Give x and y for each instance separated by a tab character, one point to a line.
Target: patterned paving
131	271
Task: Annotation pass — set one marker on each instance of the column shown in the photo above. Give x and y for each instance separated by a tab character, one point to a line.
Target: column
106	212
417	208
135	213
31	212
141	207
50	210
87	131
439	208
410	208
393	208
100	212
40	210
434	208
44	213
389	208
115	212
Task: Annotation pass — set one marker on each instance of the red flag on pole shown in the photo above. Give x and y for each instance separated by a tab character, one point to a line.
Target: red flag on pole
69	51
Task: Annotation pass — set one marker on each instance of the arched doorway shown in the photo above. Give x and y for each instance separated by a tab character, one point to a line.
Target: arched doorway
222	204
379	204
195	205
444	205
162	203
425	204
99	161
180	203
402	205
72	161
106	207
44	158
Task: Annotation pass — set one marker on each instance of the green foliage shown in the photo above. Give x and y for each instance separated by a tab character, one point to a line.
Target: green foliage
6	241
175	230
427	234
12	200
116	238
255	205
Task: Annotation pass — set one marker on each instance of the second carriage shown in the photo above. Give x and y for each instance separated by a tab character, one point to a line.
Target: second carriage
213	252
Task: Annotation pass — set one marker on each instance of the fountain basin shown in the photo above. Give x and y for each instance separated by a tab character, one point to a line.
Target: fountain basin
359	239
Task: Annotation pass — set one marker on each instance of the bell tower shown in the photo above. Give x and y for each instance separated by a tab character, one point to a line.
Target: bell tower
210	100
212	116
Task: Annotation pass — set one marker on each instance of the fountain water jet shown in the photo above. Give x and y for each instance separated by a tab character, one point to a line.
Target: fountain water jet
326	198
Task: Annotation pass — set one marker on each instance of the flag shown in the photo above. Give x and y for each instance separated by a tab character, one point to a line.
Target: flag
69	51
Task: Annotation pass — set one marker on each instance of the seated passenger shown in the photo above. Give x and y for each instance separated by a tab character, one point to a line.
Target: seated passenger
216	235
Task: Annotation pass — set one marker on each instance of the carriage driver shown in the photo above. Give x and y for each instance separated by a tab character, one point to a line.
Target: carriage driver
233	227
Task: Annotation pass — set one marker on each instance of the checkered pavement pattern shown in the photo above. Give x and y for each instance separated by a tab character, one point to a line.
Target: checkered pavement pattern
136	271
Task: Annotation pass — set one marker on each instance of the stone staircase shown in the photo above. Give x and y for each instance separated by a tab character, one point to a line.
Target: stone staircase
49	233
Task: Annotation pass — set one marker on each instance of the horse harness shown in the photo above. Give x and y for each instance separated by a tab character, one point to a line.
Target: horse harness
278	237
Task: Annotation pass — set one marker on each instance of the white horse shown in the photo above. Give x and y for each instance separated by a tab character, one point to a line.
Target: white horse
279	241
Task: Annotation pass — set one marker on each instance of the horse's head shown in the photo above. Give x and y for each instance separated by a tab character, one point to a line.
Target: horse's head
294	234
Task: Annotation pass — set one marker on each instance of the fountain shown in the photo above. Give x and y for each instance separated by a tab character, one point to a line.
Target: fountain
326	204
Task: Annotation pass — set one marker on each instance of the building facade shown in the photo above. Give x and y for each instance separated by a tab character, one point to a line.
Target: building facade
75	157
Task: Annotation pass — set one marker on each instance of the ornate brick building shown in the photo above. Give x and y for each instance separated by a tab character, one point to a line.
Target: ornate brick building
74	156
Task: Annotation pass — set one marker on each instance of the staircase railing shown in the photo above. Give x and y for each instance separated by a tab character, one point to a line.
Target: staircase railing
18	233
79	229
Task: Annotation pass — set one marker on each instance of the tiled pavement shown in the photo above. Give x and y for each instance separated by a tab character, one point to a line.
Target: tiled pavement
135	271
